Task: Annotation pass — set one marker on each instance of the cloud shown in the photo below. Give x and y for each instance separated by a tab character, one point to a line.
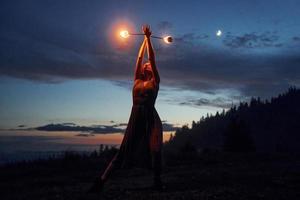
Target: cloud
220	99
164	26
215	102
253	40
169	127
58	46
95	129
190	38
188	64
85	135
201	67
68	124
120	124
99	129
296	39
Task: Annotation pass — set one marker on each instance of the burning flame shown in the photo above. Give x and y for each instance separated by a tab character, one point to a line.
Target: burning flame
124	34
168	39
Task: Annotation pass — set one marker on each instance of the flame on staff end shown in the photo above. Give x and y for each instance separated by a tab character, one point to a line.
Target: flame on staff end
168	39
124	34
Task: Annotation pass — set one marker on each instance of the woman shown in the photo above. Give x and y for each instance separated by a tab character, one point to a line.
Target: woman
142	142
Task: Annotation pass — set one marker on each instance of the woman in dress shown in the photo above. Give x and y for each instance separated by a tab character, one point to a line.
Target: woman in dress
142	142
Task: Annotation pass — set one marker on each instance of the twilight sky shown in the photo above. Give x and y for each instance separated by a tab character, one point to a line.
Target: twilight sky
61	61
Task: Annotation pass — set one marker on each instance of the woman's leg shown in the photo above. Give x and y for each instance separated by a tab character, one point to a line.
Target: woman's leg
99	182
113	165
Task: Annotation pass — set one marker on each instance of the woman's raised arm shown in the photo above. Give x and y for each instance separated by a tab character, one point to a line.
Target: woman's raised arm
151	56
139	61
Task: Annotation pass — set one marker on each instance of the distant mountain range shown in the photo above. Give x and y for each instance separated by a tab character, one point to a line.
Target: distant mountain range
263	126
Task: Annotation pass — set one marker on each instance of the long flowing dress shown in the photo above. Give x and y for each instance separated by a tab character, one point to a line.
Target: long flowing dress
143	135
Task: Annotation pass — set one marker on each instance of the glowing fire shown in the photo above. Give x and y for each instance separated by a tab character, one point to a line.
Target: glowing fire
168	39
124	34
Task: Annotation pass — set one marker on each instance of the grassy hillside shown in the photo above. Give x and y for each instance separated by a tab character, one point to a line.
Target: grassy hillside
186	176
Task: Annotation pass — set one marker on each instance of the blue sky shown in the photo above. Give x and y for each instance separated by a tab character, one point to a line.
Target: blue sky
61	62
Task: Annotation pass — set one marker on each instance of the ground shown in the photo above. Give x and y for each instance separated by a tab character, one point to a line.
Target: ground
209	176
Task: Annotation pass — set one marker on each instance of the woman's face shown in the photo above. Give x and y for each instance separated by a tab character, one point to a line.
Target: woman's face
147	72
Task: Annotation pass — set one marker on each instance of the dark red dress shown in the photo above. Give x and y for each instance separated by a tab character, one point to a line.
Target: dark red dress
143	135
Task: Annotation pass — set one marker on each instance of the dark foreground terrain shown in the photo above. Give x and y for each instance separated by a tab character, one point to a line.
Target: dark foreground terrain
206	176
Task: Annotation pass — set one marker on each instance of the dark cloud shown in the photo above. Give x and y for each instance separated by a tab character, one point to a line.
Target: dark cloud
164	26
200	67
85	135
56	46
95	129
99	129
253	40
190	38
120	124
214	102
169	127
296	39
68	124
208	100
188	64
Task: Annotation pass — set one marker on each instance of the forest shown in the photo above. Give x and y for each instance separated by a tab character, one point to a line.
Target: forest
255	126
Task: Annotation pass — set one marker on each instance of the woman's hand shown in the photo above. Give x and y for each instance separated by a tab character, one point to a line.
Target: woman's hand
146	30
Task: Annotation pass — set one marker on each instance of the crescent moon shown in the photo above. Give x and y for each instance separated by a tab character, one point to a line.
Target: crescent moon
219	33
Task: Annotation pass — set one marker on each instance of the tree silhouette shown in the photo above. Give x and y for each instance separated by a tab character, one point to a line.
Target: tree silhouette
265	126
237	137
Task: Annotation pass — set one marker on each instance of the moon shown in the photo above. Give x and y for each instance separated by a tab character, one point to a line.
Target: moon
219	33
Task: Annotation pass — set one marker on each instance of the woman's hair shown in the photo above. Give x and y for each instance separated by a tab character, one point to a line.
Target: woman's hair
147	65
